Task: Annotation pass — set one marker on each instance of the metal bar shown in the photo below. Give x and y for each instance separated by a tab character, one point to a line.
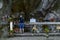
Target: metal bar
43	23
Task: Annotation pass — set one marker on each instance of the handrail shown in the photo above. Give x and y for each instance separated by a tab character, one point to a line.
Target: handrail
39	23
43	23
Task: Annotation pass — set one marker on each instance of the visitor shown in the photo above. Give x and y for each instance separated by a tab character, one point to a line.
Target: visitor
21	24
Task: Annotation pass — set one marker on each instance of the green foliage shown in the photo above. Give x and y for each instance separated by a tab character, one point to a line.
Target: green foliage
11	31
1	28
46	28
4	26
10	19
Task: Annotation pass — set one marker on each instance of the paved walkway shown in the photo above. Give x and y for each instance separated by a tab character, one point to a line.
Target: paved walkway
32	38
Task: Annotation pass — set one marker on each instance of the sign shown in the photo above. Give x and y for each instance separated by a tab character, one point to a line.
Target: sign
32	20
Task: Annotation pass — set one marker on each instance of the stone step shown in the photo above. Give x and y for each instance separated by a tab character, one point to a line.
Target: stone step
36	34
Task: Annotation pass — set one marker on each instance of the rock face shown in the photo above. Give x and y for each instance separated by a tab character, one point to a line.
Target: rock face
6	8
8	4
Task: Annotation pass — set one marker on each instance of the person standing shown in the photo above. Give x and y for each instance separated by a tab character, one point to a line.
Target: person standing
21	24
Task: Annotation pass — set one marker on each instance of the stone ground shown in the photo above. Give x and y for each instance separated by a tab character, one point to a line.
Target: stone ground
31	38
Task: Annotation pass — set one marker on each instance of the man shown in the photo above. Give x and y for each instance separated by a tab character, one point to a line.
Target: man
21	24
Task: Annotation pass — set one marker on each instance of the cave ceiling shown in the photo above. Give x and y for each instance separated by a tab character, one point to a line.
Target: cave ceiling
24	5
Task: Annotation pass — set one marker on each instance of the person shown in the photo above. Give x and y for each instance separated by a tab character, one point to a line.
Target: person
21	24
34	28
